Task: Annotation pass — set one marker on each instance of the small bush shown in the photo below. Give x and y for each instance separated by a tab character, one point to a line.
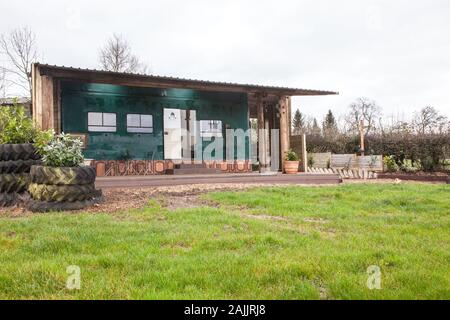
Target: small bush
63	151
42	140
411	167
15	126
291	155
390	163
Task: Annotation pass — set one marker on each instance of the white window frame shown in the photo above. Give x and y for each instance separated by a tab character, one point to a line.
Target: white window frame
101	126
140	128
210	132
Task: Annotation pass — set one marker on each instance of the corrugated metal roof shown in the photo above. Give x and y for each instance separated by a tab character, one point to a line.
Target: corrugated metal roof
11	101
229	85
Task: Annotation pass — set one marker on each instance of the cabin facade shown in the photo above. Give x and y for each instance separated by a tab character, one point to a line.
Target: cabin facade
133	124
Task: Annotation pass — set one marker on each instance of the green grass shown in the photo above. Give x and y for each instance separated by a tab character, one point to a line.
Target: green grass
267	243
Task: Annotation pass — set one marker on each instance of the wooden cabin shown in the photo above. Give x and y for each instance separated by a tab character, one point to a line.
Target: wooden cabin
145	124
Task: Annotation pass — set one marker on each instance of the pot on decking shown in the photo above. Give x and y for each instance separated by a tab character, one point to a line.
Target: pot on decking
291	167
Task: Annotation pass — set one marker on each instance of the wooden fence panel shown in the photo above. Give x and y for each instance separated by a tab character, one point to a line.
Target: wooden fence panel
320	160
343	160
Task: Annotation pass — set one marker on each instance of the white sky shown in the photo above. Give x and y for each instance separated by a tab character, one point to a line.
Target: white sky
395	52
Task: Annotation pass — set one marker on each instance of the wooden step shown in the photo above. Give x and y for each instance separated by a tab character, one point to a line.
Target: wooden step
195	170
189	166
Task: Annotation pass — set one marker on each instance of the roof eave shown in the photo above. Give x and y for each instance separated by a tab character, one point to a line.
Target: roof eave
141	80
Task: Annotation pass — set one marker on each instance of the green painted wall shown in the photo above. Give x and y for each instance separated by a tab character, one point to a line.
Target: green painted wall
77	99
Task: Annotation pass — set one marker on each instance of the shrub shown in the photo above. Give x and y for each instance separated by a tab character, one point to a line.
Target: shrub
291	155
310	161
390	163
63	151
15	126
42	140
409	166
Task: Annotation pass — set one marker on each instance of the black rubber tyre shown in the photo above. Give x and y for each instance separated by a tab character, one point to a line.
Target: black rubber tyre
11	182
62	175
18	166
12	199
24	151
46	206
49	192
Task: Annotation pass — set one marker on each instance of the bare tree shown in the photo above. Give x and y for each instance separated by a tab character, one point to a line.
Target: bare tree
116	56
366	110
429	120
19	46
3	83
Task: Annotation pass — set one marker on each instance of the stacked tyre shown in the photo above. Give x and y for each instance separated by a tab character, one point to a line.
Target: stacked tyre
15	163
62	188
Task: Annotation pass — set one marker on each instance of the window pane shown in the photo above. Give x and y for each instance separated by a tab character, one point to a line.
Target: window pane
133	120
211	128
94	118
146	120
109	119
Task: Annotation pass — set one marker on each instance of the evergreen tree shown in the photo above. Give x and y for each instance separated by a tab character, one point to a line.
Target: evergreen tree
315	130
298	123
329	125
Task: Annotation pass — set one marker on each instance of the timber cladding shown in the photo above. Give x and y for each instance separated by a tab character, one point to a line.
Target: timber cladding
78	99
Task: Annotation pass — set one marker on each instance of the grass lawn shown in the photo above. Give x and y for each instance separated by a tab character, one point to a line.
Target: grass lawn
266	243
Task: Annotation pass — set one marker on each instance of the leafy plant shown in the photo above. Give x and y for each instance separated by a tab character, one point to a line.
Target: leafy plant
291	155
409	166
63	151
42	139
310	161
15	126
390	163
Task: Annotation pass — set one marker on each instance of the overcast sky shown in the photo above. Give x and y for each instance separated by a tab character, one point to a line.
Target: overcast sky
395	52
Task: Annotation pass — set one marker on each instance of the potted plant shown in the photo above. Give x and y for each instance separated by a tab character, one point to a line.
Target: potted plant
291	162
17	153
62	182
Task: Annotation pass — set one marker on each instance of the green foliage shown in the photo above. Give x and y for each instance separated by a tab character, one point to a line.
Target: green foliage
310	161
430	149
390	164
298	122
15	126
63	151
329	125
411	167
291	155
42	140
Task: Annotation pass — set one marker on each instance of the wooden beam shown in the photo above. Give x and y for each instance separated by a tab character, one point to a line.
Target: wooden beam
47	95
261	135
304	154
284	130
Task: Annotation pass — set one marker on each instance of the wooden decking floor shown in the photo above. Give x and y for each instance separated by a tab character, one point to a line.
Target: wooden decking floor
254	178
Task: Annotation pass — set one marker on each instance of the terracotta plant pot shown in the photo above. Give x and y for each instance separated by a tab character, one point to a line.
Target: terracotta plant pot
291	167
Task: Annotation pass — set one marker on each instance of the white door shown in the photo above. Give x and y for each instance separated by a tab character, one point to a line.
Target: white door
172	134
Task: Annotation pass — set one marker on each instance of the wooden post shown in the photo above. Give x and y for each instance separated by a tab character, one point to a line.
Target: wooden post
289	103
44	100
284	130
261	135
304	154
361	133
